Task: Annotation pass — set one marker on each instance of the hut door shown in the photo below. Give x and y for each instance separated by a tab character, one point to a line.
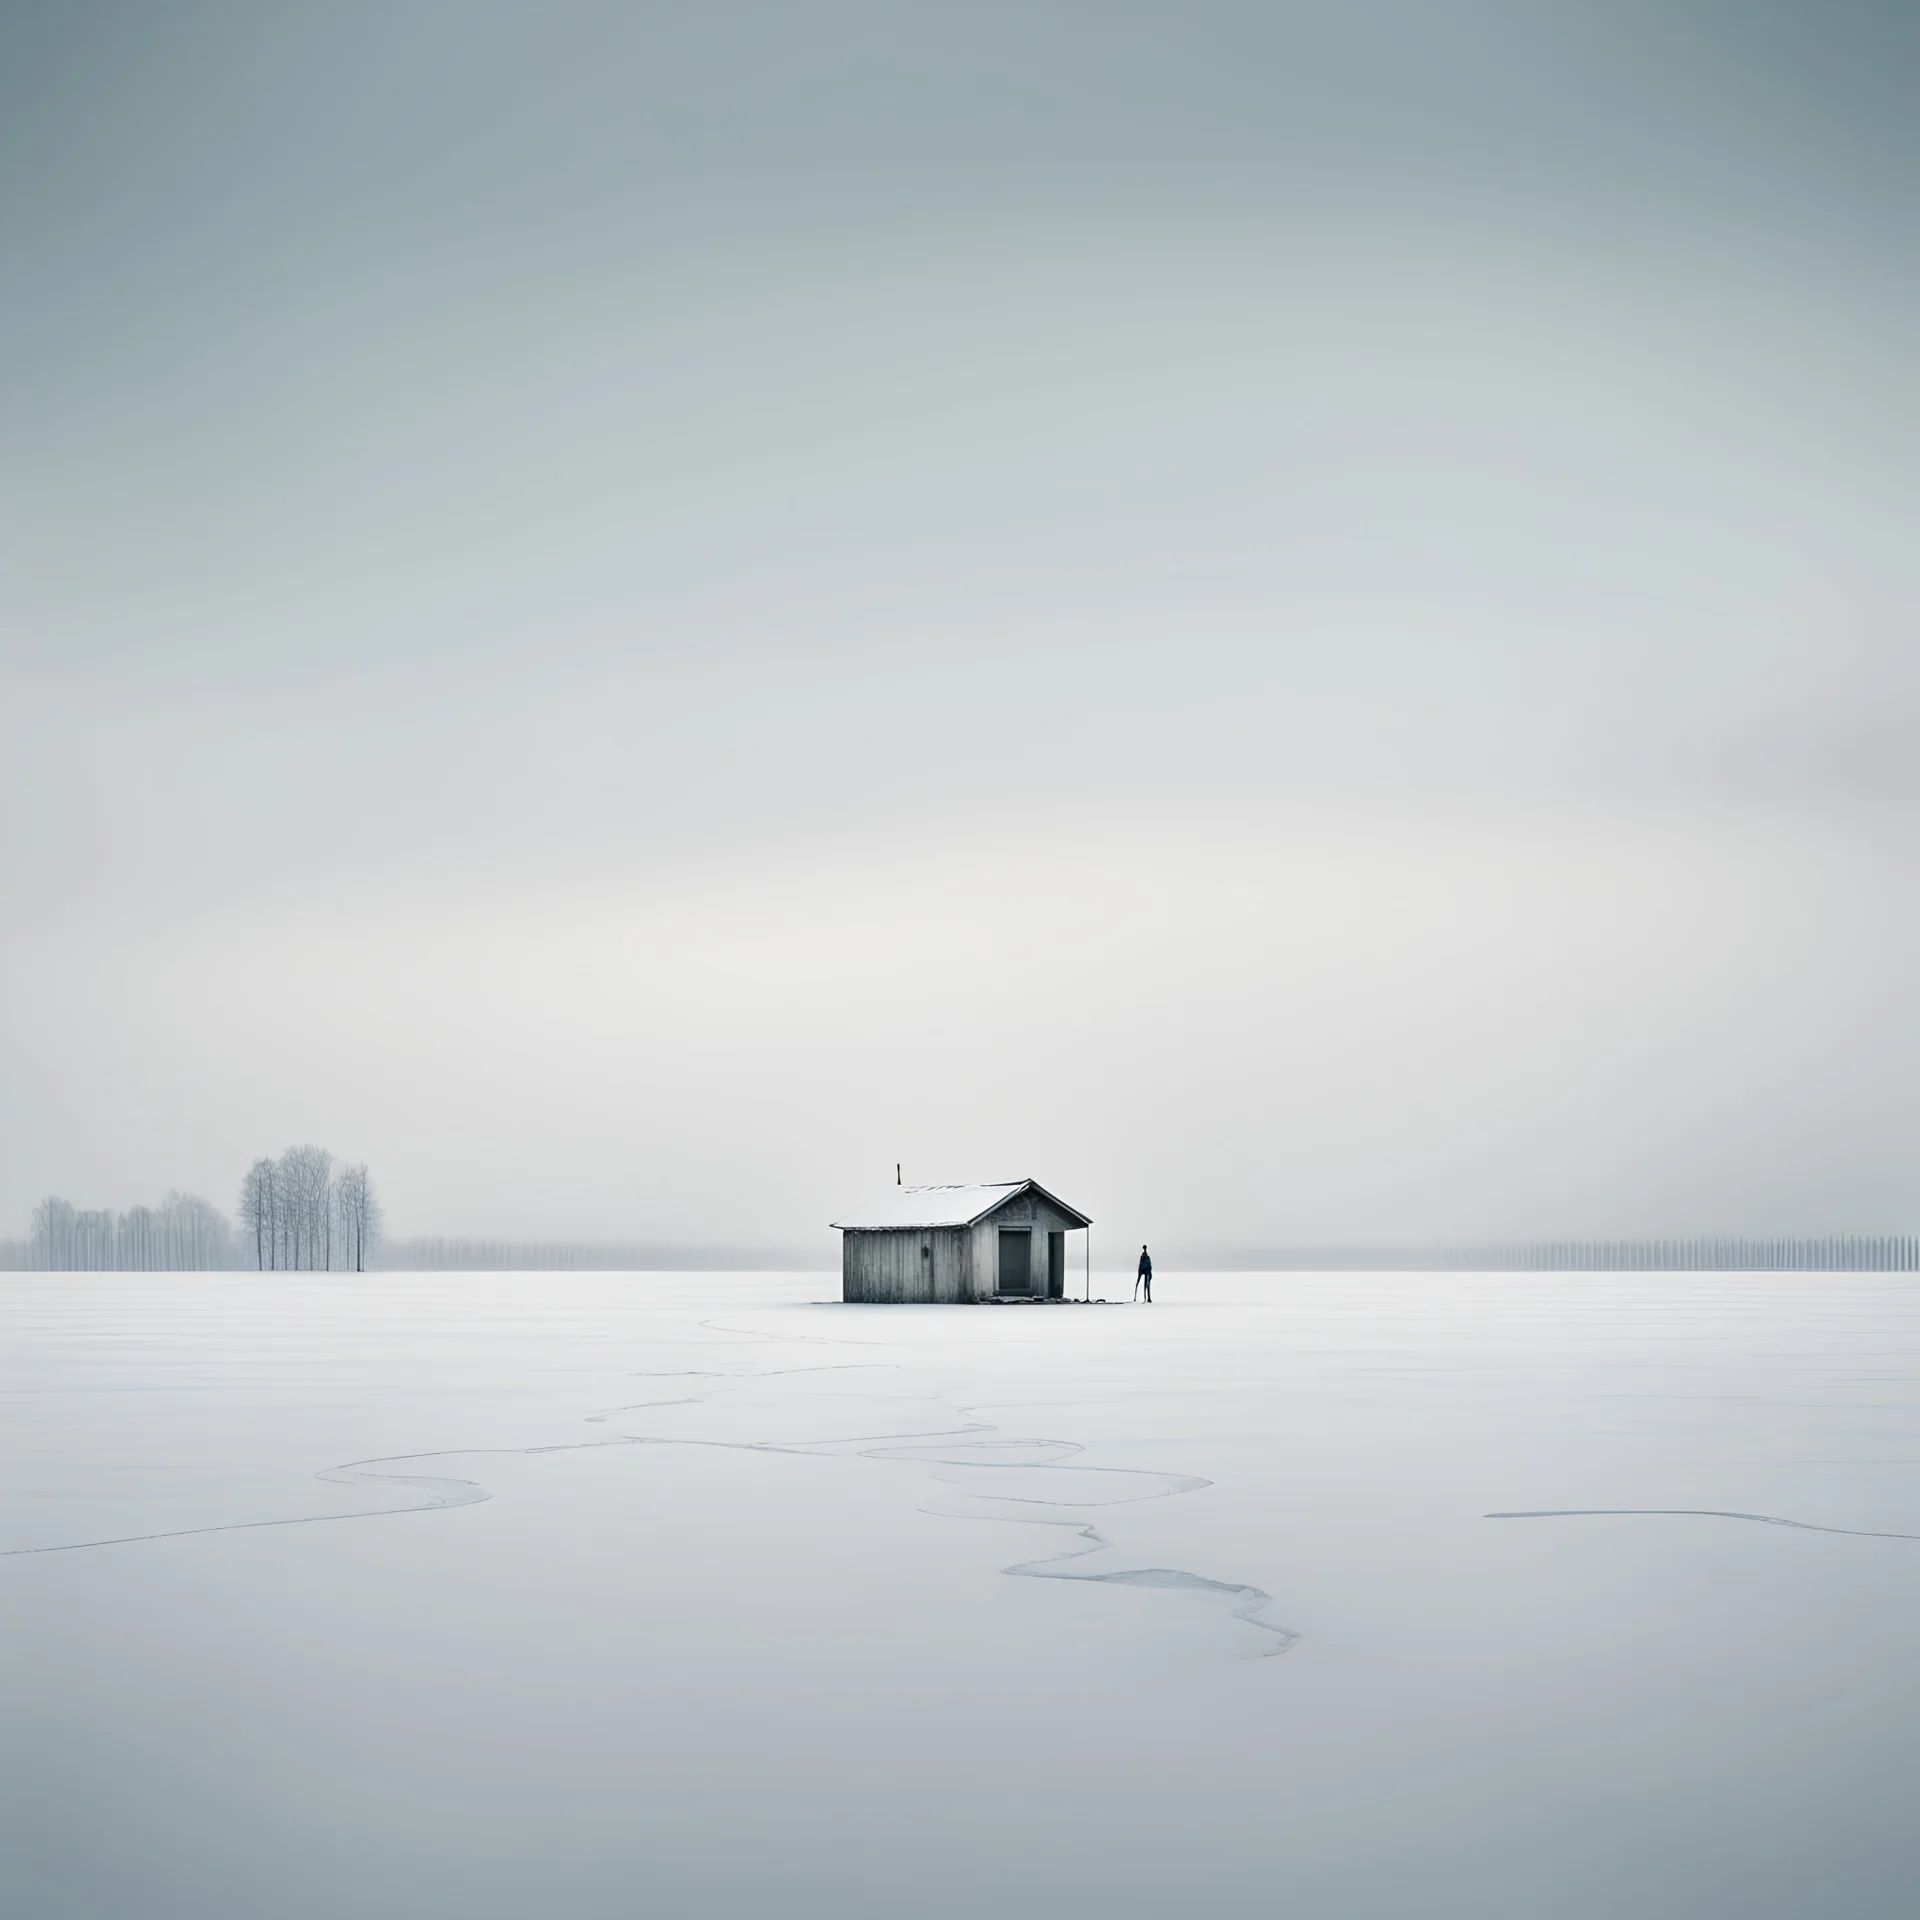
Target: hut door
1056	1266
1016	1262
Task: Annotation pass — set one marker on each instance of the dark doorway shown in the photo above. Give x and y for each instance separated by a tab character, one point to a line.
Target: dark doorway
1016	1262
1056	1266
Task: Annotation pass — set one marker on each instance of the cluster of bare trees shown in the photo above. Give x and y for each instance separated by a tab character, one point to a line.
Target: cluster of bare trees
303	1212
183	1234
300	1211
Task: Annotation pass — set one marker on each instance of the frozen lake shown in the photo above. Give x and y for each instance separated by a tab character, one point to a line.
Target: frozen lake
689	1595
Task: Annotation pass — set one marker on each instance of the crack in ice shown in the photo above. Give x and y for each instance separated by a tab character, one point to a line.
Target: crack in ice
1042	1456
1693	1513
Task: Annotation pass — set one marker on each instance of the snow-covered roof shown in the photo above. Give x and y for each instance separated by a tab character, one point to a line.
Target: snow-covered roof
960	1206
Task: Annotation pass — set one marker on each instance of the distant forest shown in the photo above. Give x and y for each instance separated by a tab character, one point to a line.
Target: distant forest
1725	1253
587	1256
306	1213
183	1234
303	1212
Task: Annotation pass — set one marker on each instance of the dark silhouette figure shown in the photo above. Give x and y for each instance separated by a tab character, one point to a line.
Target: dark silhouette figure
1143	1277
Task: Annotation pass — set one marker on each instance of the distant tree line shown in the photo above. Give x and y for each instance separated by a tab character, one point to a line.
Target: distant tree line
434	1255
1828	1253
303	1213
183	1234
1725	1253
507	1256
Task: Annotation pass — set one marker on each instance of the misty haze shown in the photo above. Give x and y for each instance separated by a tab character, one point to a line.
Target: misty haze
958	958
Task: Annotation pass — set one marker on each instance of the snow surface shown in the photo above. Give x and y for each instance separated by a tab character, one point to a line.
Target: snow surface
688	1595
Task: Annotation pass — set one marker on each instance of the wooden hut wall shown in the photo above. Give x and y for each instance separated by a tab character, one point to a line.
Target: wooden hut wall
889	1266
1024	1210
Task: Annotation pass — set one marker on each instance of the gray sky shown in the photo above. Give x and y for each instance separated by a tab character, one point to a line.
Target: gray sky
1295	618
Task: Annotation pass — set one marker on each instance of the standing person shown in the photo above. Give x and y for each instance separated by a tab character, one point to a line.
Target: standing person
1143	1276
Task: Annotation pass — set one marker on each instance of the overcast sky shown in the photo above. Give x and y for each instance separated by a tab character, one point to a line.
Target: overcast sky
1295	618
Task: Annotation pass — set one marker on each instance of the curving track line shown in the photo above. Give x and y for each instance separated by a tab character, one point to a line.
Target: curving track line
1693	1513
966	1455
447	1493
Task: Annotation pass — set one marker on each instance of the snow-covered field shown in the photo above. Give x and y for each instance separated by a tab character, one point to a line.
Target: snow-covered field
689	1595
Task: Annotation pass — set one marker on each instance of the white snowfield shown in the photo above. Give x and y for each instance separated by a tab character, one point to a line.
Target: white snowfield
1517	1597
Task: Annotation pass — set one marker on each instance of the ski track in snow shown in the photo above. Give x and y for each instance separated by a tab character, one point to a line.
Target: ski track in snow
447	1493
963	1455
1693	1513
1248	1602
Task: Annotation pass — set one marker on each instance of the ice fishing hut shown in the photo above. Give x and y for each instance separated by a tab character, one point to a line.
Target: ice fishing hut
1006	1240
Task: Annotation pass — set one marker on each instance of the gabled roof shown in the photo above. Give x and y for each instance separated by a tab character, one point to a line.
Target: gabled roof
903	1208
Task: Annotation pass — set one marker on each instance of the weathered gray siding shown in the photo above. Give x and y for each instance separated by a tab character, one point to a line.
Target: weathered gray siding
890	1266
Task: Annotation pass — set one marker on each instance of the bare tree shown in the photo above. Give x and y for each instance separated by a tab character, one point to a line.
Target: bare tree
346	1208
257	1213
358	1211
95	1232
55	1236
136	1240
371	1219
318	1193
195	1236
306	1183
